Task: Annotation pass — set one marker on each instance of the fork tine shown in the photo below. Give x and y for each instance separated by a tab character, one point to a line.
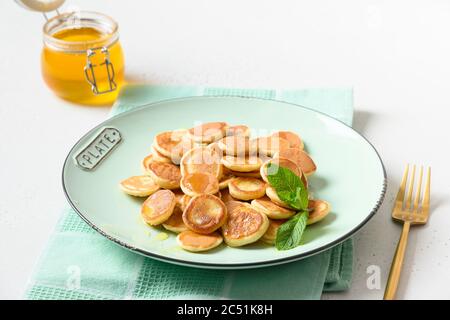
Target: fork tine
401	190
410	189
419	187
426	196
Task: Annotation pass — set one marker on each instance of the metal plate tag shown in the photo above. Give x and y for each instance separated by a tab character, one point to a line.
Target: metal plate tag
98	149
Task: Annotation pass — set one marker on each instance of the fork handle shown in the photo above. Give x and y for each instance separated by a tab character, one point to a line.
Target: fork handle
397	262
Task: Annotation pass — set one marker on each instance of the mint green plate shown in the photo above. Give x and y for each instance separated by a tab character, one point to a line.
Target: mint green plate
350	175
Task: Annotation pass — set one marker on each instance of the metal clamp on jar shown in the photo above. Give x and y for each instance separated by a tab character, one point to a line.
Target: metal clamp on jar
89	70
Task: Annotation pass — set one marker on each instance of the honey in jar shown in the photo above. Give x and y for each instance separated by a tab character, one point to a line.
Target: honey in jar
82	60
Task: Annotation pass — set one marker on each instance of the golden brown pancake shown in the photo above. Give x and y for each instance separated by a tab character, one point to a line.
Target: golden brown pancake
201	159
215	146
166	175
252	174
208	132
242	164
233	203
271	234
226	196
281	162
239	130
247	188
184	201
270	209
175	222
320	210
292	137
146	161
194	184
191	241
158	207
235	145
139	186
198	145
224	182
268	145
157	156
300	157
272	194
205	214
226	178
172	144
244	225
179	194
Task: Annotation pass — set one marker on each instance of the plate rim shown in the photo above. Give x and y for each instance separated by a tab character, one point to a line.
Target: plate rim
231	266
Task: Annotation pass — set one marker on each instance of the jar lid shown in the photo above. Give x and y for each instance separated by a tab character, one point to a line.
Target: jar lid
41	5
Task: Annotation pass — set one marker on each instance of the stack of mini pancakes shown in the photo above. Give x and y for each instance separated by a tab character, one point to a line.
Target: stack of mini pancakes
209	184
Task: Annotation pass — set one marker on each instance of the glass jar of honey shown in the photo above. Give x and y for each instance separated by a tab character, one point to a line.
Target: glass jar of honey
82	60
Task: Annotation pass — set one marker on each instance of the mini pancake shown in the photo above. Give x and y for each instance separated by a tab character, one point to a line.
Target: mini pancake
292	137
191	241
281	162
226	196
235	145
158	207
208	132
225	179
244	225
194	184
178	196
139	186
239	130
268	145
242	164
273	196
178	152
158	156
320	209
271	234
215	146
196	145
252	174
166	175
146	161
175	222
300	157
172	144
201	159
184	201
205	214
247	188
232	204
270	209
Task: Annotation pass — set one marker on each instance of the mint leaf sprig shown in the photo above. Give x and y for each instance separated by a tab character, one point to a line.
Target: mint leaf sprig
291	190
289	234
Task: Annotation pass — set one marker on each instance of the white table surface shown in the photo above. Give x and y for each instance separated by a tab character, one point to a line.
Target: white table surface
394	53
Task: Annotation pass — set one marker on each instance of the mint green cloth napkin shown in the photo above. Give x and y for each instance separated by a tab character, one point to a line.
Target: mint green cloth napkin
80	264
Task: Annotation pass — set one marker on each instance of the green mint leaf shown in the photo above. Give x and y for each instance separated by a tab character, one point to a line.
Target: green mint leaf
290	233
302	194
288	185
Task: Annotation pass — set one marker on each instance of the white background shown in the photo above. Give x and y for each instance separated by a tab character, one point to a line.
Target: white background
394	53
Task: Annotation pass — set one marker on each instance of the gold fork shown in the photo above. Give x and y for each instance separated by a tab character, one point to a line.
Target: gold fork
410	213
